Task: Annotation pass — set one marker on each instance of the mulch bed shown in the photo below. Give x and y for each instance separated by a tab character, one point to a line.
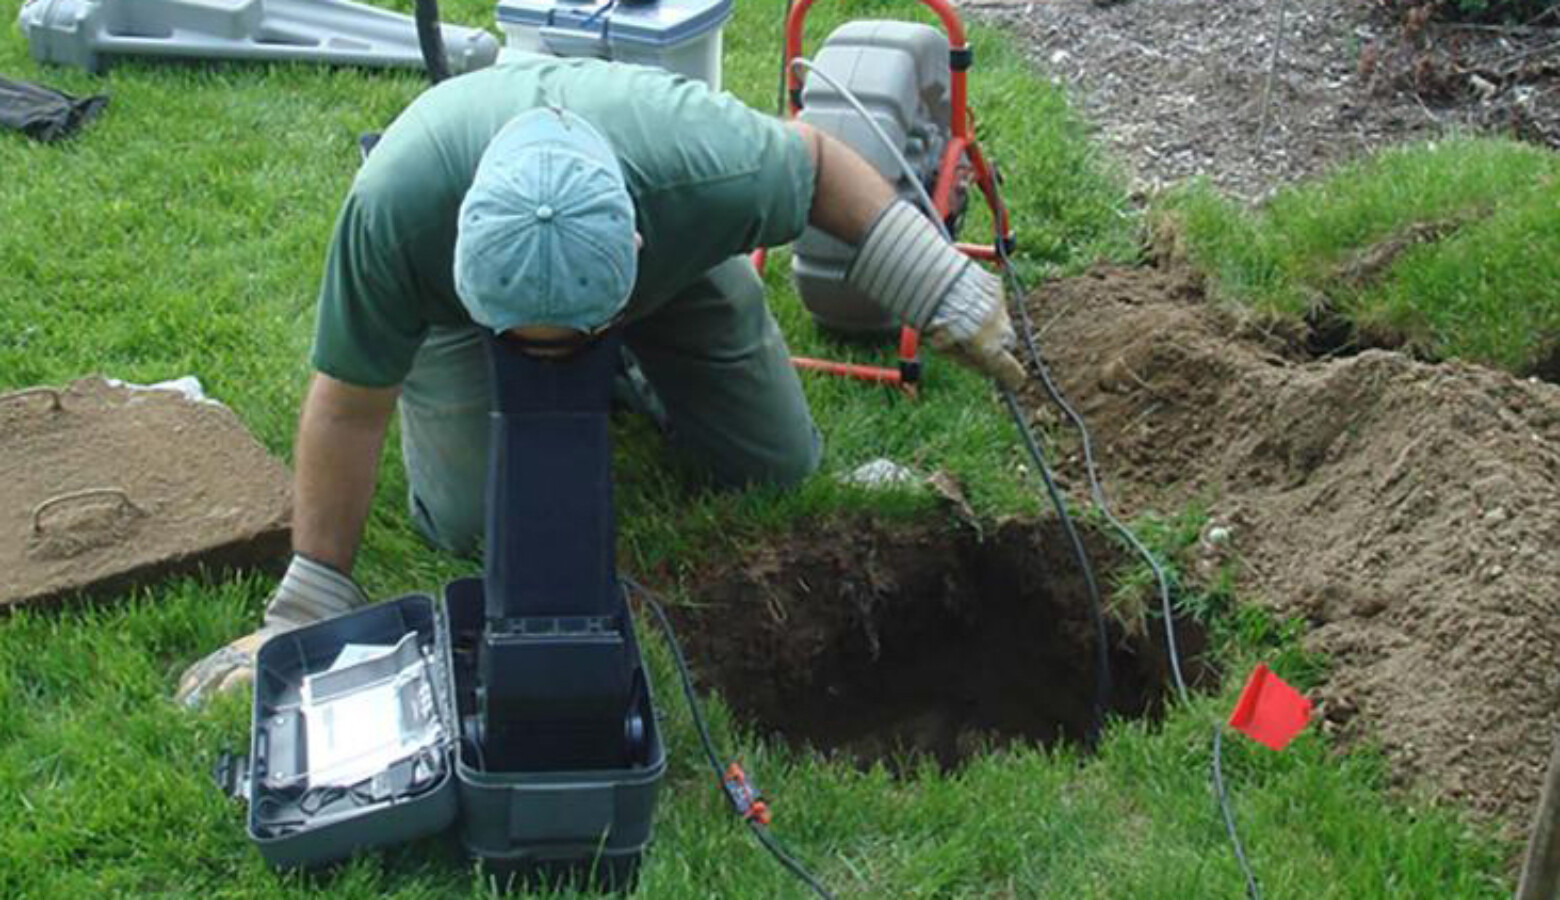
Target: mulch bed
1257	94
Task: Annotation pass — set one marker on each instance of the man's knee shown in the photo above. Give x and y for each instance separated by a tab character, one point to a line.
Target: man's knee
445	404
784	466
801	463
455	528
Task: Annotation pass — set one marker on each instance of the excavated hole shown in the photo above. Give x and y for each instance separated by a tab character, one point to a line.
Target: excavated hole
1547	368
882	641
1330	335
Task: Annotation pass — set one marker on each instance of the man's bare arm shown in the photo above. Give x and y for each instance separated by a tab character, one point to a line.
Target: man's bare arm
340	438
849	194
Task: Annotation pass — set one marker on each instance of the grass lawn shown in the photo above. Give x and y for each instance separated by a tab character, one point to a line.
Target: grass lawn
183	233
1450	249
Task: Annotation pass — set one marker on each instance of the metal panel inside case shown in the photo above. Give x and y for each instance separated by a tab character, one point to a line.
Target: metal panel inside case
372	709
354	726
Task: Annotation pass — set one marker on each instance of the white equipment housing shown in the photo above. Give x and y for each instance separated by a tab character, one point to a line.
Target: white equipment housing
899	72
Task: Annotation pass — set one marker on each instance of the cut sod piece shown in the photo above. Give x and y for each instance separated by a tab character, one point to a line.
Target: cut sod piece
105	486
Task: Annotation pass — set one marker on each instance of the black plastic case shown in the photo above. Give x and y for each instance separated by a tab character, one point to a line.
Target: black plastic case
577	825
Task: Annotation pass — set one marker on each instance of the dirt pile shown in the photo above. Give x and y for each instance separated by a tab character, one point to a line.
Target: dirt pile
1410	512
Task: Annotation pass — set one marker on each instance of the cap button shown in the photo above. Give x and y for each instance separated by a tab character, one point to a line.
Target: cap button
544	213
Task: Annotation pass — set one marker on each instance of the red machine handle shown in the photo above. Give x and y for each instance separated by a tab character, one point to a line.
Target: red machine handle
796	21
962	144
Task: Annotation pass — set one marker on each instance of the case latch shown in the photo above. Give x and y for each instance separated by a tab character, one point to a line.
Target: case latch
232	775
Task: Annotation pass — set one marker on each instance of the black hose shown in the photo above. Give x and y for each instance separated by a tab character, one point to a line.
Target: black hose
1096	605
1097	491
430	37
760	830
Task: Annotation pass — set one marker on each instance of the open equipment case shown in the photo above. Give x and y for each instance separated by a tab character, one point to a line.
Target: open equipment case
518	707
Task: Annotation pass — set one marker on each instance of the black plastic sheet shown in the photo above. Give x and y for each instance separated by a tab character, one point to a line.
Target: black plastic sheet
42	113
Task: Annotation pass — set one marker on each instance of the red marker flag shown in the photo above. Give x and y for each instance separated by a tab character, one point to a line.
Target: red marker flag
1270	711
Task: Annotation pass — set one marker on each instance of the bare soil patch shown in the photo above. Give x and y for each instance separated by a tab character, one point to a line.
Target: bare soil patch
1409	512
1183	88
112	487
893	642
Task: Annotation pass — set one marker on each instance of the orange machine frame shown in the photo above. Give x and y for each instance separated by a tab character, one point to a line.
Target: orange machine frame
961	146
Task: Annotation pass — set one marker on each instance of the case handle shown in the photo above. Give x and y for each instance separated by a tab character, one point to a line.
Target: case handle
563	41
89	493
54	396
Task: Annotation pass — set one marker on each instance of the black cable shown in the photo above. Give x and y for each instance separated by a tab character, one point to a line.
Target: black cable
1097	493
1229	817
682	672
1102	646
760	831
1096	489
430	39
776	849
1097	609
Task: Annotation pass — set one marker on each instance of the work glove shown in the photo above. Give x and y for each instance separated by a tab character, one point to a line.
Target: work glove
309	592
906	265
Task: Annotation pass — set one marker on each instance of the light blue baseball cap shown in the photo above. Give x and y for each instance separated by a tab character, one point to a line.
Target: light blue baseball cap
546	230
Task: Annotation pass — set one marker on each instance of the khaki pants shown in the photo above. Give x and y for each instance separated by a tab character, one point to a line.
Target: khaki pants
714	356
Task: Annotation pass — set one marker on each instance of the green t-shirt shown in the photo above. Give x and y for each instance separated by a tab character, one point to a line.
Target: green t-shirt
709	178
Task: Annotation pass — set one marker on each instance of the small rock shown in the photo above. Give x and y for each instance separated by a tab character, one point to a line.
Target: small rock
1218	536
1496	515
1370	607
880	473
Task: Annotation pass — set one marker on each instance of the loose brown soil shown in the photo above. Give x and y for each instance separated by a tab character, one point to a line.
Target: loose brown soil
1409	512
893	641
115	487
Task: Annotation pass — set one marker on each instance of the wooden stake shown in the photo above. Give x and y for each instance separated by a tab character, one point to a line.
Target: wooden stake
1541	871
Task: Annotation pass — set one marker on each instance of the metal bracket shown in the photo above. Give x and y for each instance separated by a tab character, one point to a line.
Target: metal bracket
231	773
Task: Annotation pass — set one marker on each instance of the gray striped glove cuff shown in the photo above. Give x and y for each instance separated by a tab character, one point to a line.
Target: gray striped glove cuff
309	592
905	265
